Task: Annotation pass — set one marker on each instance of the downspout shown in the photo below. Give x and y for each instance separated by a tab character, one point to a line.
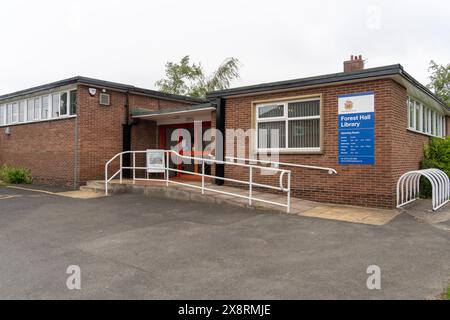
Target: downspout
75	152
220	143
126	134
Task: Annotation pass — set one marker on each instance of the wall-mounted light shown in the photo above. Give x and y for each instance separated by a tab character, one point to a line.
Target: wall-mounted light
8	131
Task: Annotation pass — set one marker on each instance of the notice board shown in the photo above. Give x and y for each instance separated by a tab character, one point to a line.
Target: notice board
155	161
356	127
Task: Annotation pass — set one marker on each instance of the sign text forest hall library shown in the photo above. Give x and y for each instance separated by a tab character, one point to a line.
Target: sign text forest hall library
356	123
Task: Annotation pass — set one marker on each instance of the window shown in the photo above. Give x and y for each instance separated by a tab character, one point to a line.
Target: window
22	105
417	116
63	104
37	108
411	113
30	110
15	113
424	119
73	102
9	113
289	125
55	105
2	114
45	107
439	125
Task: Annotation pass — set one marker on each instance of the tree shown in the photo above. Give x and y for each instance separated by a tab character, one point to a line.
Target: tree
184	78
440	81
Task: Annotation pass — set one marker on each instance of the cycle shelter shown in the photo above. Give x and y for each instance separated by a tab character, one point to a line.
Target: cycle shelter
408	187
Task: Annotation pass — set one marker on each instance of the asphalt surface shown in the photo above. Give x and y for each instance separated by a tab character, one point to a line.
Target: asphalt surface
133	247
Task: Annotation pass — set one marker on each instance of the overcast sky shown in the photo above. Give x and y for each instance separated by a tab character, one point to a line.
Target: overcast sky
130	41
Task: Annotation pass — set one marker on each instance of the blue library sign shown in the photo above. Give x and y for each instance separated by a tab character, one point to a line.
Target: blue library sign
356	124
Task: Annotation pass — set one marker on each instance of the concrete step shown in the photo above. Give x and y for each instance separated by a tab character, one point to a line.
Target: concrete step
100	189
96	184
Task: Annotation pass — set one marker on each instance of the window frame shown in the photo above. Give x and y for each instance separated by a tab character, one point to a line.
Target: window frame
22	103
434	126
285	118
37	108
29	115
14	112
2	114
48	107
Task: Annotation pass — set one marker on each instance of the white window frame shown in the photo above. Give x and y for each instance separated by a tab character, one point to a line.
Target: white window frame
35	112
67	103
58	107
14	112
285	118
48	107
434	119
3	114
9	113
24	102
8	108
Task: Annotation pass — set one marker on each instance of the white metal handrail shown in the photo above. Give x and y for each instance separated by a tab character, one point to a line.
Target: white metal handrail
330	170
203	188
408	187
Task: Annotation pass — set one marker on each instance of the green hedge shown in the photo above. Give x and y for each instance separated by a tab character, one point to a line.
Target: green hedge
436	155
15	175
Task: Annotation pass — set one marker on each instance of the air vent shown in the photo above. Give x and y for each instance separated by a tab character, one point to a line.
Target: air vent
105	99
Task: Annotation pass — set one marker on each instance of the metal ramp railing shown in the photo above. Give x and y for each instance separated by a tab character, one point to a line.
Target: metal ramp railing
408	187
166	169
284	179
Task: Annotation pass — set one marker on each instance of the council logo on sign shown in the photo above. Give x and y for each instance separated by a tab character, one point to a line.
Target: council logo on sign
348	105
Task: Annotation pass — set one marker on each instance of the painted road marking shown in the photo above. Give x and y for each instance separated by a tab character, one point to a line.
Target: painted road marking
34	190
67	194
8	197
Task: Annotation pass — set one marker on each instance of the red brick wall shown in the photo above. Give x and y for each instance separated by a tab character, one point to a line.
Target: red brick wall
407	146
48	149
396	150
45	148
99	133
101	129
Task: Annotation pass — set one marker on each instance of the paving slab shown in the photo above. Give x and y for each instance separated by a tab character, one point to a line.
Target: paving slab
352	214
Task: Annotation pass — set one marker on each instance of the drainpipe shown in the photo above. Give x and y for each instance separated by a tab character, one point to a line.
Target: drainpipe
75	151
126	135
220	143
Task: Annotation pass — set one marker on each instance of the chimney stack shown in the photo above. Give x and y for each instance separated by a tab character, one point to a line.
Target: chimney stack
356	63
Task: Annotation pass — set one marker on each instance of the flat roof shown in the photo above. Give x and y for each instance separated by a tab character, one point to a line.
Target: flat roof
104	84
379	72
142	112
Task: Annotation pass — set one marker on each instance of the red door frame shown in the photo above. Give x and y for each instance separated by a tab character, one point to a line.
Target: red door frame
190	125
162	130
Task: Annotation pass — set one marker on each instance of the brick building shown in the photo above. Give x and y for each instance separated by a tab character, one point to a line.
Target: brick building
66	131
406	115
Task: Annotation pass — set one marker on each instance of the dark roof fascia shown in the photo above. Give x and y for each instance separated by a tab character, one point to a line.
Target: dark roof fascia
43	87
105	84
391	70
139	112
133	89
303	82
423	88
